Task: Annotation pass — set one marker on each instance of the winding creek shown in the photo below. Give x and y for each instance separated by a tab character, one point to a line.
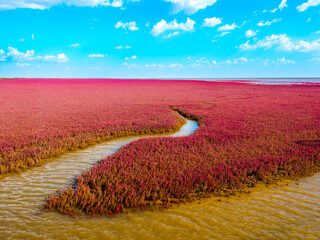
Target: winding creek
289	210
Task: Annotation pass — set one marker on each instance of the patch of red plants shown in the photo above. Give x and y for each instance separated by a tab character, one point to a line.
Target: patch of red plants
44	118
247	134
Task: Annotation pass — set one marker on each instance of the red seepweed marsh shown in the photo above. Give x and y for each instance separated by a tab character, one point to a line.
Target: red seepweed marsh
248	134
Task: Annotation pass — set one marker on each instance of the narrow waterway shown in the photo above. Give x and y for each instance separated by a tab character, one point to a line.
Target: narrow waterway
278	212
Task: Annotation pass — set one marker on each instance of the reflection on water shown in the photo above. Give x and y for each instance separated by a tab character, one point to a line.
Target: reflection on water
281	212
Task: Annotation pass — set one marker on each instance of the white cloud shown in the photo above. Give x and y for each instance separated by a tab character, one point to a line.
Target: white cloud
14	55
153	66
96	55
285	61
172	34
283	43
265	61
245	46
23	64
211	22
228	27
239	60
190	6
60	58
223	34
243	59
163	26
21	40
132	26
32	36
250	33
147	24
277	61
45	4
303	46
2	56
162	66
122	47
306	5
235	61
195	65
282	5
202	60
131	65
131	58
94	3
8	5
268	23
316	59
75	45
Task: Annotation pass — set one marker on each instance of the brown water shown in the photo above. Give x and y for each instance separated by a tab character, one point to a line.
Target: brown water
278	212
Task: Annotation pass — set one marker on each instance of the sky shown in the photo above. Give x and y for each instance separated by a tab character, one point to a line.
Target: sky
160	38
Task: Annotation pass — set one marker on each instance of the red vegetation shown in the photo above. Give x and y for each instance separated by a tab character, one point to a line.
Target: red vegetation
45	118
248	134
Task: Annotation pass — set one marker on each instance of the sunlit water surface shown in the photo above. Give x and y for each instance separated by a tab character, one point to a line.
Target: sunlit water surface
279	212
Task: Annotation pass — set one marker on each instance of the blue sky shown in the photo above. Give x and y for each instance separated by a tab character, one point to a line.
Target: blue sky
160	38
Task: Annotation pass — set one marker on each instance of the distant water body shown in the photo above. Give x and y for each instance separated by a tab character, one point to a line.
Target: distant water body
268	81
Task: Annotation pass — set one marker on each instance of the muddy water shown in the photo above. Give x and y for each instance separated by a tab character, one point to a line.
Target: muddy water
281	212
